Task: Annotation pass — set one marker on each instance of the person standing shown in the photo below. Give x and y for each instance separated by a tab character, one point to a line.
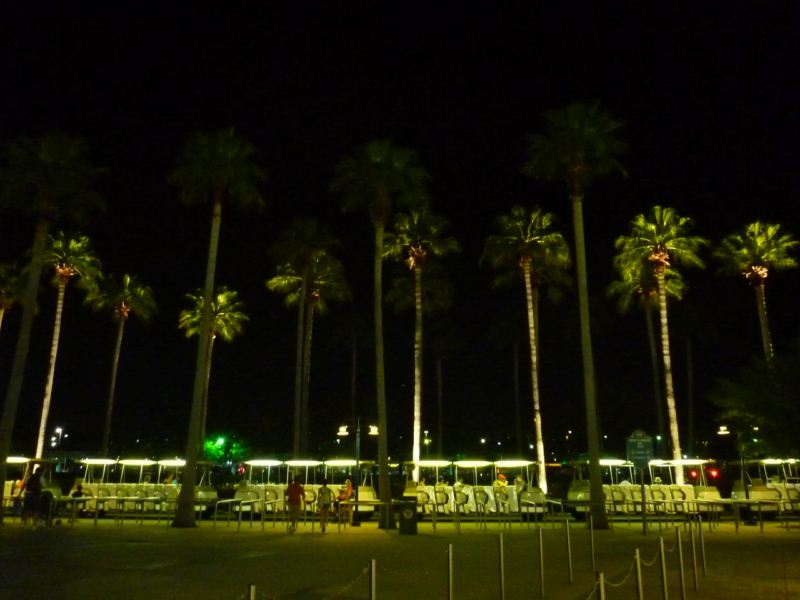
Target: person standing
324	501
32	502
294	501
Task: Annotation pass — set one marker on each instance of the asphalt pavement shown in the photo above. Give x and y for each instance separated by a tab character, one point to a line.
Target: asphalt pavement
154	560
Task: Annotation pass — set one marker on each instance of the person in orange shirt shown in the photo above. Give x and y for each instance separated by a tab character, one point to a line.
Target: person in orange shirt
294	501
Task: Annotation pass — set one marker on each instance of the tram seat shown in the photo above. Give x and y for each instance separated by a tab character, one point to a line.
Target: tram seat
684	501
310	501
481	505
424	502
767	494
441	501
532	502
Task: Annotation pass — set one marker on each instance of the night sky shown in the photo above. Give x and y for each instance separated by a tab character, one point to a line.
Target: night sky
709	97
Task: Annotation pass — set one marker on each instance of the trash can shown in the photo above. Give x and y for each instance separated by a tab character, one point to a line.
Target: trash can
407	511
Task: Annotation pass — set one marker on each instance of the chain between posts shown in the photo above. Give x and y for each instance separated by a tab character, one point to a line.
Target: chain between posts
347	586
593	591
625	578
650	563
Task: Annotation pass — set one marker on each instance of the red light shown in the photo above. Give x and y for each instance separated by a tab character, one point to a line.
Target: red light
693	474
713	473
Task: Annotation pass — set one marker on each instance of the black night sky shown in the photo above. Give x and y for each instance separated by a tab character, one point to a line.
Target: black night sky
709	97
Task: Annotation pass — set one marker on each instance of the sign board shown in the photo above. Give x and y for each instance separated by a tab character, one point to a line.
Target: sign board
639	448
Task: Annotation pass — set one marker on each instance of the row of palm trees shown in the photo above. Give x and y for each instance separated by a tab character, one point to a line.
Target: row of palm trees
51	178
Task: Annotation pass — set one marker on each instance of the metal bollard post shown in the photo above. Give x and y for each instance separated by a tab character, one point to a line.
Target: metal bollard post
450	571
694	556
679	543
251	592
502	571
664	586
703	551
591	543
373	583
639	583
569	550
601	585
541	561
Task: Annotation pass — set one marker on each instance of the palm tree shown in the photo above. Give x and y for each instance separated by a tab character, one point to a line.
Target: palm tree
296	249
48	178
320	281
227	321
217	166
122	297
416	237
376	178
662	238
11	288
753	253
70	257
579	145
637	285
528	241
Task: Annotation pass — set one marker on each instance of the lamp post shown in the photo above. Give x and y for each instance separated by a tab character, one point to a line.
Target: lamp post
344	432
724	431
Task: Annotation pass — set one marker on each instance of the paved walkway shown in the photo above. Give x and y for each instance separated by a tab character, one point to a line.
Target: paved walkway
156	561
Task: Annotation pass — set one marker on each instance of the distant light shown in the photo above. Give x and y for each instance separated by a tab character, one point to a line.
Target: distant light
658	437
713	473
483	440
342	431
723	430
373	430
605	437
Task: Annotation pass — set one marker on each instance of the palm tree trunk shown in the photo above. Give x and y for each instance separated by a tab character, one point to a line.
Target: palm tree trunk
385	494
670	392
517	406
439	407
656	371
298	367
51	370
304	407
23	345
112	387
592	425
2	314
184	512
204	415
761	305
537	409
415	448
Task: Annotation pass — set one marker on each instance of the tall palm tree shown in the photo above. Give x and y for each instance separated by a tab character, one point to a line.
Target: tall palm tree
528	241
579	144
70	257
296	249
218	167
637	285
662	238
416	237
47	179
122	297
11	288
320	281
227	322
759	249
376	178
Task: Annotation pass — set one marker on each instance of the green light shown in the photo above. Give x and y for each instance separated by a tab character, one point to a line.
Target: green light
220	441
